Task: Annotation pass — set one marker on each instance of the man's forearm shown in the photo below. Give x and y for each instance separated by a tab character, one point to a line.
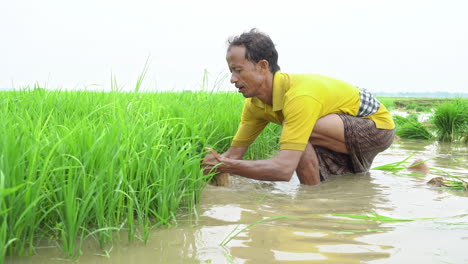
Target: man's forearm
279	168
259	169
235	153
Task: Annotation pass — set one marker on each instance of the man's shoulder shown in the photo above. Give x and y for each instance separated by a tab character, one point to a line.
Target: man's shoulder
303	85
308	77
316	85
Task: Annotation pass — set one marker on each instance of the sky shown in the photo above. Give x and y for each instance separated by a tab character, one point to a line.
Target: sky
383	46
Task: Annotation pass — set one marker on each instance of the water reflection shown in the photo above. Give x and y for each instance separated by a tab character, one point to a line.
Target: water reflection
439	220
452	157
314	235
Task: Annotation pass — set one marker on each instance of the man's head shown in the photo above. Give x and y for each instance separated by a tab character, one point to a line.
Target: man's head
252	60
258	46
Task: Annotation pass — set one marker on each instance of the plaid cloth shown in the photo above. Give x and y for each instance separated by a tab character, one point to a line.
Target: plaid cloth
369	104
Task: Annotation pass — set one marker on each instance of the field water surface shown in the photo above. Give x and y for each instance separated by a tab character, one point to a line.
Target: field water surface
438	232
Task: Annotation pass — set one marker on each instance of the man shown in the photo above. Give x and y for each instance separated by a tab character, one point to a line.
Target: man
329	127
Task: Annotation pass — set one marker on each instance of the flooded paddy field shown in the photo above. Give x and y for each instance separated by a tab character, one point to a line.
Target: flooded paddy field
338	221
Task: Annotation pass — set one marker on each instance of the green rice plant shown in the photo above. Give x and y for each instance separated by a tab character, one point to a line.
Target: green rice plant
455	183
451	120
388	102
411	106
413	130
413	117
398	166
399	120
374	217
422	109
410	127
265	144
81	164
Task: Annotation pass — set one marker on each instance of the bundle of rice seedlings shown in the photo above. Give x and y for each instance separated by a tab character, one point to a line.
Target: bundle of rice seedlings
411	128
451	182
395	166
456	184
451	120
399	120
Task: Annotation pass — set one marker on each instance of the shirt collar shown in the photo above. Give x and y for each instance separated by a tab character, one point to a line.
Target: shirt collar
280	86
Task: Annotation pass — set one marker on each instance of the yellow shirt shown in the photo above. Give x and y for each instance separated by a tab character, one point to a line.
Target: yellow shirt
299	100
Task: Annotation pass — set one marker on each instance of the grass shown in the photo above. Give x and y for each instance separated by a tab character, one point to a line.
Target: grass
411	128
451	120
374	217
78	165
389	102
395	166
451	181
82	165
404	102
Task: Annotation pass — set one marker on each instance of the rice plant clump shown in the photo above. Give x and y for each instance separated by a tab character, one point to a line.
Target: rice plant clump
411	107
388	102
78	165
451	120
411	128
422	109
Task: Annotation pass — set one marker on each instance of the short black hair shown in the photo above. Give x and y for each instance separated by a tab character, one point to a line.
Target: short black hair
258	46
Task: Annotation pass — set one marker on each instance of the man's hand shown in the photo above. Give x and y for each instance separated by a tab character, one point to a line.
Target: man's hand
211	159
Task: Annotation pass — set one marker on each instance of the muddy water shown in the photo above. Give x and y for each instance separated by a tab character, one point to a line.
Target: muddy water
438	234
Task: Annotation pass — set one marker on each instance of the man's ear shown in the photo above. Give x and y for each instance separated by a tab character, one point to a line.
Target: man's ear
264	65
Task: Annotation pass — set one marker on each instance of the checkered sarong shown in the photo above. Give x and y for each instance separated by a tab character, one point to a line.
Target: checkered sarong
363	142
369	104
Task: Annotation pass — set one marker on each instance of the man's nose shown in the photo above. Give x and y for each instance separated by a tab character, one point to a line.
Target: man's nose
234	79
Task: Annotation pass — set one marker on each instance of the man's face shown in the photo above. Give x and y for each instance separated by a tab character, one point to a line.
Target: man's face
247	76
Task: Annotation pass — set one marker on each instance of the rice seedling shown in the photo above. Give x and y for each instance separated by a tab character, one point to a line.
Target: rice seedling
395	167
399	120
451	120
374	217
422	108
411	128
83	165
78	165
453	182
411	107
388	102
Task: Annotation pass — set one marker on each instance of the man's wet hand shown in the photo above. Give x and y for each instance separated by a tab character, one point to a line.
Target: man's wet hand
210	160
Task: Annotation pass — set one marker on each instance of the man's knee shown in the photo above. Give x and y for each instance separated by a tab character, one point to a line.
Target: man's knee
308	170
329	126
328	132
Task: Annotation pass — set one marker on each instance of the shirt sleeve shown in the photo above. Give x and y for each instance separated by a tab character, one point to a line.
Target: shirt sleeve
249	128
300	115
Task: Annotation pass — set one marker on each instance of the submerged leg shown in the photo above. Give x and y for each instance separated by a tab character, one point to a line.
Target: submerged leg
308	168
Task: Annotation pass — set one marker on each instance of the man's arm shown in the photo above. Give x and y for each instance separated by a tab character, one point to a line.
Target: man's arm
210	159
235	153
278	168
